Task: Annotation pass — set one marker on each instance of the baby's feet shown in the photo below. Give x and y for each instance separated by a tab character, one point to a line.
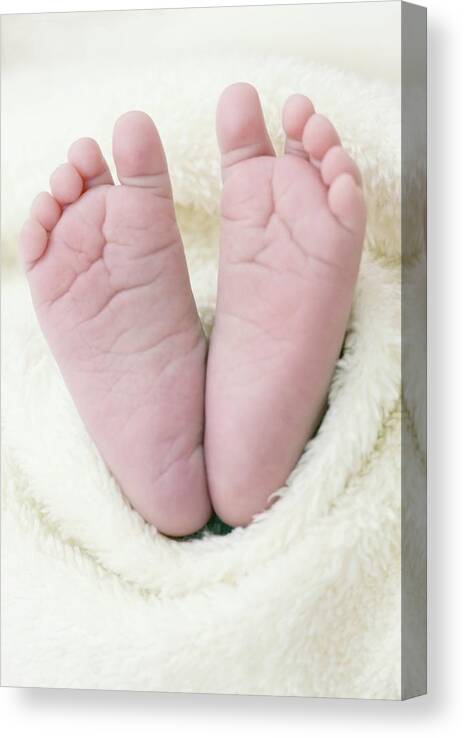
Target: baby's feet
291	240
110	286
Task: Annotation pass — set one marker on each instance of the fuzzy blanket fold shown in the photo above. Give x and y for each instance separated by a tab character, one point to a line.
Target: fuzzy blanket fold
306	600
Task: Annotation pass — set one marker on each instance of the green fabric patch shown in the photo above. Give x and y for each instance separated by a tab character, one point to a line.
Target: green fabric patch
214	526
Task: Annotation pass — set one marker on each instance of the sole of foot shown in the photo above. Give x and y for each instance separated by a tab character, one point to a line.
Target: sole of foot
292	230
108	277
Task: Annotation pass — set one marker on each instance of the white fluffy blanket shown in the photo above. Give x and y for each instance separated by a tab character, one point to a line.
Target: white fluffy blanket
306	600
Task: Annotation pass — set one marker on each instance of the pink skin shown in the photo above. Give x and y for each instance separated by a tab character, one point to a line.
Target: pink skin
292	229
109	282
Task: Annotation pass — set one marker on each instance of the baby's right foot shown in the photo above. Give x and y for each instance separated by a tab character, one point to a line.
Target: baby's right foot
109	282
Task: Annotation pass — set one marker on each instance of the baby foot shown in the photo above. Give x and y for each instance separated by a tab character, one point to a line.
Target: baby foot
292	229
109	282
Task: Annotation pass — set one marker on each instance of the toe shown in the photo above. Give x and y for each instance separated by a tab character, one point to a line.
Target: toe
66	184
32	242
296	113
319	136
337	161
138	153
86	157
346	201
46	210
240	126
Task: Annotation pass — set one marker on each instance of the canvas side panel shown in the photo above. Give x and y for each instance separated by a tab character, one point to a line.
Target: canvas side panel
414	351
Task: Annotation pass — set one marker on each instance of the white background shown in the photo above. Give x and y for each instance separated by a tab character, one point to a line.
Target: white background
68	713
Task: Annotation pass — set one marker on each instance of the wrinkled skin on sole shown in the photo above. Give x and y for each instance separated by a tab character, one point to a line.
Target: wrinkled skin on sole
290	250
113	298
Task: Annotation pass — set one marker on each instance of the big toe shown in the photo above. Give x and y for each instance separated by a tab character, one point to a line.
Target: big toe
240	126
138	153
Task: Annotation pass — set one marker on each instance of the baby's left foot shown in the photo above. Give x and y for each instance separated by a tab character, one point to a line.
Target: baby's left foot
291	238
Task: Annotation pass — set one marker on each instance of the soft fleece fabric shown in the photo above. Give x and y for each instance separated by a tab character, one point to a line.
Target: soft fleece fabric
306	600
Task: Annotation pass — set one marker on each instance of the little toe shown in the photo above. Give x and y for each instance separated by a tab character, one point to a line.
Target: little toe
86	157
32	242
66	184
346	201
296	113
319	136
138	153
337	161
46	210
241	130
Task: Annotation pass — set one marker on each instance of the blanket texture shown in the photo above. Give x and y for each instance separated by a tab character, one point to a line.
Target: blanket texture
306	600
